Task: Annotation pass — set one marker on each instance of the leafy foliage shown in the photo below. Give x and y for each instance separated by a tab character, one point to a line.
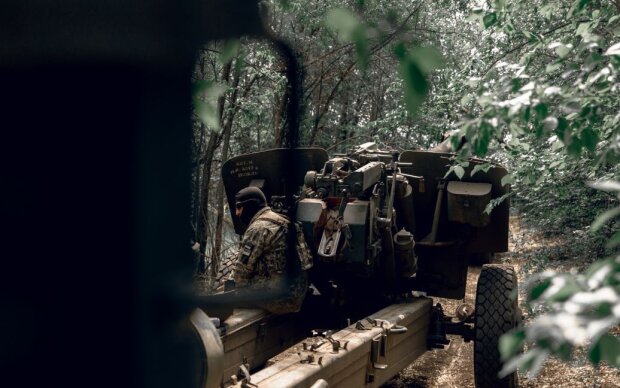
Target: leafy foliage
532	85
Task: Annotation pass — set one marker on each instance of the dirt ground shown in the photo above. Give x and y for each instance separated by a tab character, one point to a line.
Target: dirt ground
453	366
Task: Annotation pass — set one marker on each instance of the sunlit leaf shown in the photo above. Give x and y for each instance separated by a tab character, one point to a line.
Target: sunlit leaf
582	29
550	124
205	96
613	241
565	292
427	58
603	218
207	114
350	29
613	50
605	185
563	50
343	22
554	66
480	167
459	171
511	343
507	179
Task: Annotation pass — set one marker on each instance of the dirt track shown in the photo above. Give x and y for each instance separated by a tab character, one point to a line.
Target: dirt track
453	366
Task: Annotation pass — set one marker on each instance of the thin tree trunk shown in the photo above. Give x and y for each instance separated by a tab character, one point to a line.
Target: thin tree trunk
278	119
214	139
226	131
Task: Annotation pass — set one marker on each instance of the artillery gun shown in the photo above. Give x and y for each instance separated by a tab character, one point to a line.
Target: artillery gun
388	230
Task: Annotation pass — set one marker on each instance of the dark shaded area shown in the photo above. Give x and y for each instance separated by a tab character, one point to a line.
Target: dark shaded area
94	171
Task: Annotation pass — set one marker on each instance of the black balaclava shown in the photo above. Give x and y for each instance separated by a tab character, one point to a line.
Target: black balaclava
252	199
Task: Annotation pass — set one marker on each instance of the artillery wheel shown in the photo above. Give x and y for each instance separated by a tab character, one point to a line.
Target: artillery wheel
209	350
496	313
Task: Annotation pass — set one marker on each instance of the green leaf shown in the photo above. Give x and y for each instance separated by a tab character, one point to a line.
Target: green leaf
511	343
361	47
605	185
574	146
485	167
400	50
476	14
589	139
607	348
459	171
427	58
343	22
565	292
489	19
207	114
541	110
415	85
583	28
531	361
564	351
596	266
579	5
539	289
550	124
229	51
481	142
507	179
613	50
604	217
554	66
556	145
563	50
466	99
614	241
205	96
516	130
604	310
350	29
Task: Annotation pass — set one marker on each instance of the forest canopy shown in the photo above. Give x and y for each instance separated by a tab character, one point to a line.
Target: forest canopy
533	85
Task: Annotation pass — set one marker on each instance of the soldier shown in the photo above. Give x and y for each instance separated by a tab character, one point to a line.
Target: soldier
264	261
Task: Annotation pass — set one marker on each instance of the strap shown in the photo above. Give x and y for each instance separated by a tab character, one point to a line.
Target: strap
275	218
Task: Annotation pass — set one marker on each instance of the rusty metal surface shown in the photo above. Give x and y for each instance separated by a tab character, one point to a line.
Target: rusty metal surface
351	365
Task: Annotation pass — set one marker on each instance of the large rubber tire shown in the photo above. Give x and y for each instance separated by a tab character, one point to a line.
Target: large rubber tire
496	313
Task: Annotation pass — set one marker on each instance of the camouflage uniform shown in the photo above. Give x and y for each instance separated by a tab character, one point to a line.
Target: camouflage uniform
262	263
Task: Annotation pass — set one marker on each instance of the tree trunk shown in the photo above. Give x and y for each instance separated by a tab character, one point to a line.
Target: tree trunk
278	119
214	139
226	131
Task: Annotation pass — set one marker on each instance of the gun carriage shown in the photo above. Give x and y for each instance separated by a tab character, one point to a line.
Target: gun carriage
388	230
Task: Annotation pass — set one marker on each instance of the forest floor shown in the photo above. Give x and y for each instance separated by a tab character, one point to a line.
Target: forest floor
453	366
